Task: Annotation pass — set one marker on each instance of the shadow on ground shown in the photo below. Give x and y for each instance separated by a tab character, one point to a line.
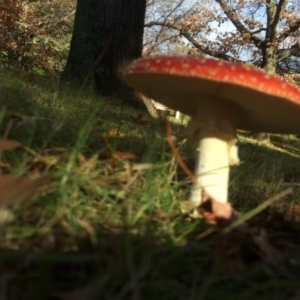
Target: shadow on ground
125	265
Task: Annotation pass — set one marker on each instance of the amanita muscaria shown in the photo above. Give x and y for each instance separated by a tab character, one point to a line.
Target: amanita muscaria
220	97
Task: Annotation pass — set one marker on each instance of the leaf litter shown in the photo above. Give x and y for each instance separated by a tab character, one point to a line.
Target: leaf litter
239	242
16	189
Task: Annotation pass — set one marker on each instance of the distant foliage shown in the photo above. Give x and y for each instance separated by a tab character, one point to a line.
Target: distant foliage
35	35
264	33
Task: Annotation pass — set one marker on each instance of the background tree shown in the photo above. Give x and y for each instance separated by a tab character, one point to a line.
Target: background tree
107	35
35	35
264	33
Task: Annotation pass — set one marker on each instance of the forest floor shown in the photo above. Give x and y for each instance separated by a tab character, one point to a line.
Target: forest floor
99	211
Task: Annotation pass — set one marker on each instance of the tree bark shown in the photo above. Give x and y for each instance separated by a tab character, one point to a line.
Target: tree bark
107	36
269	47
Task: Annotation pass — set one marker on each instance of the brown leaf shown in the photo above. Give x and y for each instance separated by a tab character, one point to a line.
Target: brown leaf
123	155
87	165
293	214
7	144
215	212
19	189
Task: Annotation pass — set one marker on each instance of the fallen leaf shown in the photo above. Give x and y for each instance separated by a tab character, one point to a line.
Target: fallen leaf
87	165
47	160
117	155
36	168
215	212
123	155
19	189
293	214
7	144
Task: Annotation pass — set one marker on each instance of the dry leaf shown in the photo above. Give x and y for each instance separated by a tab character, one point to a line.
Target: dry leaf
123	155
215	212
117	155
19	189
49	161
293	214
7	144
87	165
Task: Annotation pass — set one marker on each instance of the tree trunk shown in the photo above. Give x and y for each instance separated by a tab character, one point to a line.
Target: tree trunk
107	36
270	48
124	20
269	65
86	42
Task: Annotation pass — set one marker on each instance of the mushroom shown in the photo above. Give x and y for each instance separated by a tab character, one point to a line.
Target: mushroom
220	97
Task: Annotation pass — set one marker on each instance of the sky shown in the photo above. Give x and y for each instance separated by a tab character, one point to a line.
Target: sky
225	27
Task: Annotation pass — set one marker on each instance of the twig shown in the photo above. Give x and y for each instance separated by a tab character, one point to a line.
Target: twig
176	154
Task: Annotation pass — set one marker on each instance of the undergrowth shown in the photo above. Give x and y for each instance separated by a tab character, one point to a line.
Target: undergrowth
110	223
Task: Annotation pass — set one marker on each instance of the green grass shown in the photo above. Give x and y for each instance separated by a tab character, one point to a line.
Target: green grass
113	227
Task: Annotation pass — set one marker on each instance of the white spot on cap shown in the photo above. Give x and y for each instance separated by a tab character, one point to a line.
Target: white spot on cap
212	72
247	67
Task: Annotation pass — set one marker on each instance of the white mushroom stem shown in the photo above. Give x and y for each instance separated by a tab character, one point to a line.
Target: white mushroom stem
216	151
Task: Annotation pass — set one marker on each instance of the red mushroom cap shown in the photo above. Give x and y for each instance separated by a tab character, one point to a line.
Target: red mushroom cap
266	103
